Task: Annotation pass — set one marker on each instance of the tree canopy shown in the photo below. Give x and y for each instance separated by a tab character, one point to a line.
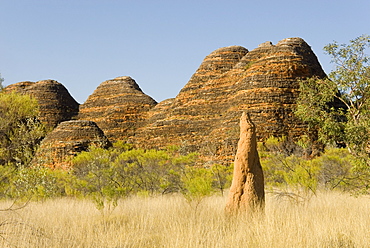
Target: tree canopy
338	107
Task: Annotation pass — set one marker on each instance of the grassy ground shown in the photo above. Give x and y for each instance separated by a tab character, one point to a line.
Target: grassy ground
328	220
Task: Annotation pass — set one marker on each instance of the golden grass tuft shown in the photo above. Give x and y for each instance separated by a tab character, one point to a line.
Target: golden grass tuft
328	220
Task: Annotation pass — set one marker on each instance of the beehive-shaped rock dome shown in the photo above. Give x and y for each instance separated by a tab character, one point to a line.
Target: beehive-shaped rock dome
67	140
55	102
118	107
263	82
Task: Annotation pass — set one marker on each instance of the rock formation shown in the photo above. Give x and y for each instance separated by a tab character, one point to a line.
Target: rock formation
193	114
264	82
204	116
68	139
118	107
56	104
247	192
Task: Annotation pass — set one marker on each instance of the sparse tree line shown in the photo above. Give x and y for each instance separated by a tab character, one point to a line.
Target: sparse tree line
336	109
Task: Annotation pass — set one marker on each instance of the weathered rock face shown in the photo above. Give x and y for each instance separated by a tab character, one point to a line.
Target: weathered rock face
55	102
247	193
68	139
264	82
204	115
118	107
190	116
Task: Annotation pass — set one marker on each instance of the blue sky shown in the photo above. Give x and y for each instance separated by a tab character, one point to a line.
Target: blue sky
81	43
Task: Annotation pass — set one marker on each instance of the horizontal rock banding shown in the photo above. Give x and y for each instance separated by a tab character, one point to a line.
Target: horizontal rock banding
265	82
118	107
55	102
67	140
204	116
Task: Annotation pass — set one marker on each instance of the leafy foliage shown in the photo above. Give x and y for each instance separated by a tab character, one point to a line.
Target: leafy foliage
334	169
20	130
337	110
38	183
107	175
338	107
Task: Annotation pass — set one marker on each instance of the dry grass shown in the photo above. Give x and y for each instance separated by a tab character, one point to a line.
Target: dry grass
329	220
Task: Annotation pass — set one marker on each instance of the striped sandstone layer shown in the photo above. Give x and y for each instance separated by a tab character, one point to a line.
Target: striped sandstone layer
67	140
55	102
118	107
263	82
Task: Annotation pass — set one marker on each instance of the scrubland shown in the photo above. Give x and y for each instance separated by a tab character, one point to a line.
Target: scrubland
329	219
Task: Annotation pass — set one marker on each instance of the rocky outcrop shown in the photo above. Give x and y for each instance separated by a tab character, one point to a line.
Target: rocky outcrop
189	118
118	107
68	139
55	102
264	82
247	193
204	116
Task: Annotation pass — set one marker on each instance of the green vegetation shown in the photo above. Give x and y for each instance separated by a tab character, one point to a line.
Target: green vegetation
20	130
249	65
107	175
288	171
337	108
1	82
337	111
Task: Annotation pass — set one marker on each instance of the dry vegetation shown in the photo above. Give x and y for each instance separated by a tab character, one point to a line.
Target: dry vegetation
328	220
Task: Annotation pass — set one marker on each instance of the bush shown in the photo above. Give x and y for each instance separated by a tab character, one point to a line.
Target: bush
38	183
20	130
339	169
335	168
107	175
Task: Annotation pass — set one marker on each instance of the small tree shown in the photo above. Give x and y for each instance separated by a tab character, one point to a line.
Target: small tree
20	130
338	107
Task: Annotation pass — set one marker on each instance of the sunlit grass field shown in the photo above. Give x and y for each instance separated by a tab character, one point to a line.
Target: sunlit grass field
326	220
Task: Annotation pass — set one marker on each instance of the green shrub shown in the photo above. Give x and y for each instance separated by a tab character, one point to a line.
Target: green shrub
339	169
20	130
38	183
107	175
335	168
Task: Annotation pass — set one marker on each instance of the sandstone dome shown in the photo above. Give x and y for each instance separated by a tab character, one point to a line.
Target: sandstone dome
263	82
55	102
118	106
67	140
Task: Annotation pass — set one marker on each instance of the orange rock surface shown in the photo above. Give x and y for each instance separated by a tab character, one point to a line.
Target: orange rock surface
118	107
55	102
67	140
264	82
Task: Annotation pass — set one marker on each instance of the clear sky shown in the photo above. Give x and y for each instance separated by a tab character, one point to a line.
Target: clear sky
81	43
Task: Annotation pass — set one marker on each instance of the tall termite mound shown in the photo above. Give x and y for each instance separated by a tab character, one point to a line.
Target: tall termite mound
247	192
